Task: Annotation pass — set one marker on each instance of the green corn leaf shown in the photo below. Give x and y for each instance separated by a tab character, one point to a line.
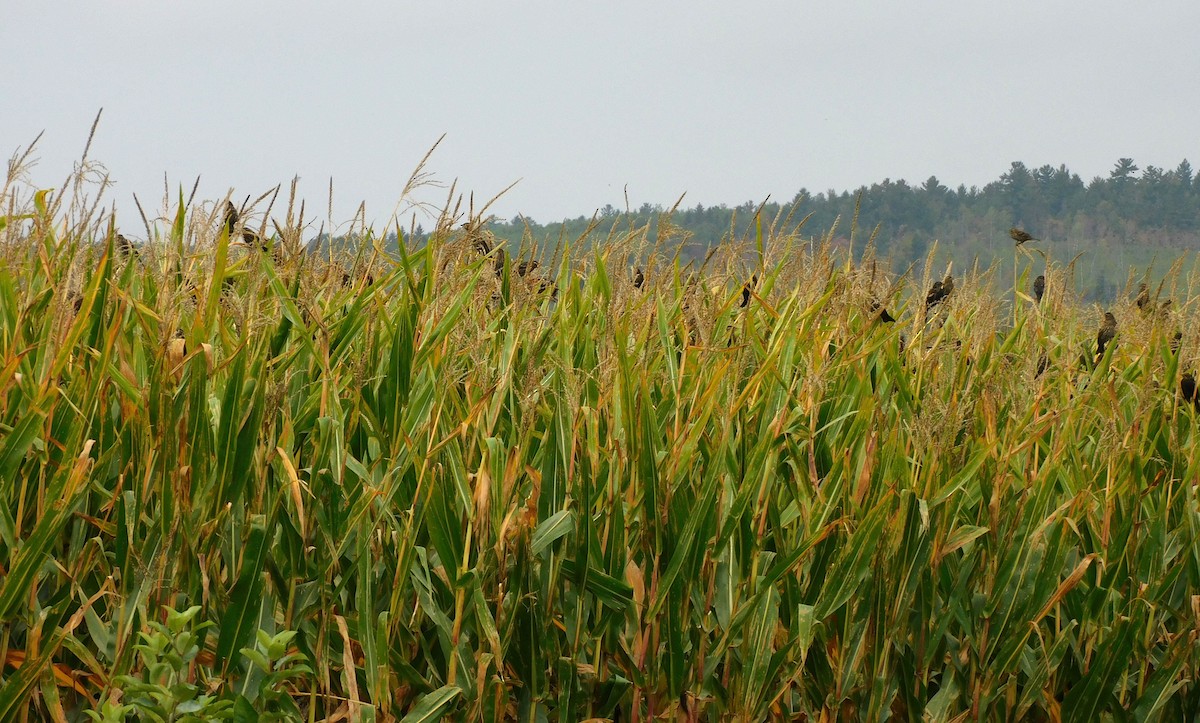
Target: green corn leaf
432	706
240	619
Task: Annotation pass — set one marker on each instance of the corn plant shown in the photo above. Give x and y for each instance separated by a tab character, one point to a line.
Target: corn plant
480	492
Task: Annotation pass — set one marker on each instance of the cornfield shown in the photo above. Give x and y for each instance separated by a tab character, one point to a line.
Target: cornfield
291	485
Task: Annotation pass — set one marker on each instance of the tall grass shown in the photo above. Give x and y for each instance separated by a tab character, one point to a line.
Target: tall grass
474	498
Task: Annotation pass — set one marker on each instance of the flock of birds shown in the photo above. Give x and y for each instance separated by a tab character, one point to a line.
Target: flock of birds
125	248
941	290
938	293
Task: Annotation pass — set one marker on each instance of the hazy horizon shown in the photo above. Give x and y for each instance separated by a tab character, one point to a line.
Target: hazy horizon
726	103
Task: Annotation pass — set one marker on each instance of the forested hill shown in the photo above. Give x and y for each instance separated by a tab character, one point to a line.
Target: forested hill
1134	217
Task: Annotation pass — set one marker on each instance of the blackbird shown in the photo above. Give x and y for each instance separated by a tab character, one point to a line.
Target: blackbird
231	218
1143	298
124	247
638	278
1187	389
1020	235
746	290
881	313
937	294
1108	331
1039	288
478	240
526	267
947	286
231	221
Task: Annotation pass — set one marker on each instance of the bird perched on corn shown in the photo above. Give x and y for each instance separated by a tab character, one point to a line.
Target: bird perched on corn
1039	288
1187	389
124	247
1143	298
1108	332
747	289
879	312
638	278
232	219
935	296
939	292
1020	235
479	241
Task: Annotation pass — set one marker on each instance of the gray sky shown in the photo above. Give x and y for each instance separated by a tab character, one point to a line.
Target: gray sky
726	101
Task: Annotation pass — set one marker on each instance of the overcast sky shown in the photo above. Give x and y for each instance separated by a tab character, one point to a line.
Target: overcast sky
727	101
